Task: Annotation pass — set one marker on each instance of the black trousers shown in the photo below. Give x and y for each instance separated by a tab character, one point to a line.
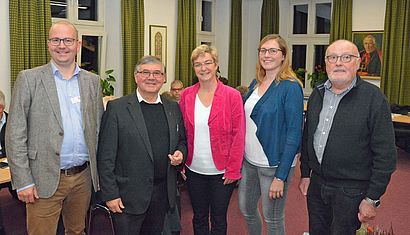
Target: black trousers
333	208
149	223
209	198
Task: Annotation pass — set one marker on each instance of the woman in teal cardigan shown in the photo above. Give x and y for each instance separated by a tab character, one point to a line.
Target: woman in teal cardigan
274	114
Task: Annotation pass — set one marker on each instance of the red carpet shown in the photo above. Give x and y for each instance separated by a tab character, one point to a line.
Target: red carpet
394	210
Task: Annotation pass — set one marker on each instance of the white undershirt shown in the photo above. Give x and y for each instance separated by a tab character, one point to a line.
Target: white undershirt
202	161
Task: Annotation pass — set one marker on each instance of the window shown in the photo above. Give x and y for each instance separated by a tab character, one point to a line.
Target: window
92	50
87	16
89	12
205	22
309	35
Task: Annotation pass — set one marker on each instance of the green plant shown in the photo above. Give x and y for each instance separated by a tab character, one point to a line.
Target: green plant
107	83
317	77
300	73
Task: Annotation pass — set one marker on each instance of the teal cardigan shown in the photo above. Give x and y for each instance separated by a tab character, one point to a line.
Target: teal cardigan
278	116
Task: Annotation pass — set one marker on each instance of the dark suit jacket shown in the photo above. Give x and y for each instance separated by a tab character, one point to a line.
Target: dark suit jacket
2	136
125	159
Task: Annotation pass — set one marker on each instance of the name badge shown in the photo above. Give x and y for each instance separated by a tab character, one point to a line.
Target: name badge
75	100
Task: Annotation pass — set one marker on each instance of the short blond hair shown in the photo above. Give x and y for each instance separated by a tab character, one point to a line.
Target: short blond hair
202	50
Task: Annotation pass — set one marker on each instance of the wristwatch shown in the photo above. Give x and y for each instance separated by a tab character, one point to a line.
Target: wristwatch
374	203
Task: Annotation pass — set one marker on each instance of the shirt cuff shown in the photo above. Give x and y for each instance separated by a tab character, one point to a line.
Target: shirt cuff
28	186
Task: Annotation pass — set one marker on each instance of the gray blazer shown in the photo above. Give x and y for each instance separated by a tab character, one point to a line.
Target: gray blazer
35	132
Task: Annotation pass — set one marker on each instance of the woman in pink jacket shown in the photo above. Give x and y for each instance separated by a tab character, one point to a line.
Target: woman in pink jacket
215	128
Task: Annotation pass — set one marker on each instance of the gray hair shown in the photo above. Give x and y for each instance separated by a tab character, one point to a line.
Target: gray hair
149	59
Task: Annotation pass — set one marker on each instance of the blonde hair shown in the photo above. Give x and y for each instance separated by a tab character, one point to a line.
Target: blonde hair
201	50
285	72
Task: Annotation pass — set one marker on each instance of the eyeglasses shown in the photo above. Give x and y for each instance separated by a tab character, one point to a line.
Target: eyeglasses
344	58
271	51
155	74
206	63
66	41
177	89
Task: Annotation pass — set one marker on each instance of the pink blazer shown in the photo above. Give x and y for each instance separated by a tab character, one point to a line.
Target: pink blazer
226	127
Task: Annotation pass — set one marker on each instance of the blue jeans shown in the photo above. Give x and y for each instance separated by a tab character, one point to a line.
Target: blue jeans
333	208
209	198
255	184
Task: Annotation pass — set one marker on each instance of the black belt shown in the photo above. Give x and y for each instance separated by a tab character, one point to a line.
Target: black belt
74	170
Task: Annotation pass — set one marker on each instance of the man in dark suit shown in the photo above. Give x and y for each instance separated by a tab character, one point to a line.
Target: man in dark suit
52	134
142	144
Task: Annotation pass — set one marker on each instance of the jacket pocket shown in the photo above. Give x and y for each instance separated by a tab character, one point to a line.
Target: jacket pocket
32	154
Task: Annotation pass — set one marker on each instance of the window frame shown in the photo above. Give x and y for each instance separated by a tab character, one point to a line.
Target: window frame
103	48
311	38
88	28
205	36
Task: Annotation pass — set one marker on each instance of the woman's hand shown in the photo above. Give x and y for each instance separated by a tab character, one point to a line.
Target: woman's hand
228	181
276	189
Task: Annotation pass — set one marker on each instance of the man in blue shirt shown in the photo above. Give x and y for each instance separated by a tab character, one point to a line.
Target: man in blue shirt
52	136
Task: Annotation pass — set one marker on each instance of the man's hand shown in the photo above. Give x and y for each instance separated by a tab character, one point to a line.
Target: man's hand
176	158
276	189
367	211
115	205
28	195
304	185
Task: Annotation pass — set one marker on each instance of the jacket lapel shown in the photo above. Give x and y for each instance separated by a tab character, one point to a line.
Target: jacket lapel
85	99
134	109
264	98
217	102
190	104
171	122
49	84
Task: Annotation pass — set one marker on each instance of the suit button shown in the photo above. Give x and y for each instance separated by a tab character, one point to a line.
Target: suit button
57	153
61	133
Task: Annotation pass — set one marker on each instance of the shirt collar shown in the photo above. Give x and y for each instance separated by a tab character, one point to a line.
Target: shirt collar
328	85
55	69
3	118
140	99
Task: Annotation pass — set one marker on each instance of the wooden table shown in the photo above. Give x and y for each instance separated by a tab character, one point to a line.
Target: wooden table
399	118
5	177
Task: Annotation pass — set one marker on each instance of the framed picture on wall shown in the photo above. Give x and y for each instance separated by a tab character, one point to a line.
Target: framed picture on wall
369	44
158	42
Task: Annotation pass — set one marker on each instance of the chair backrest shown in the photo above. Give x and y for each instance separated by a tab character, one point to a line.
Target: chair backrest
100	220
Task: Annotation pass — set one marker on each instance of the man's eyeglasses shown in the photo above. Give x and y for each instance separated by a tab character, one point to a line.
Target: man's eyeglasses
155	74
178	89
271	51
207	63
66	41
344	58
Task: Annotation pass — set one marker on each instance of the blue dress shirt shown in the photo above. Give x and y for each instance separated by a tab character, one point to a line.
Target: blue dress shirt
74	151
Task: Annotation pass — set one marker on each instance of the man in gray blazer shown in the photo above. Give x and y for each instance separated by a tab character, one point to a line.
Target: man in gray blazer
142	144
52	134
